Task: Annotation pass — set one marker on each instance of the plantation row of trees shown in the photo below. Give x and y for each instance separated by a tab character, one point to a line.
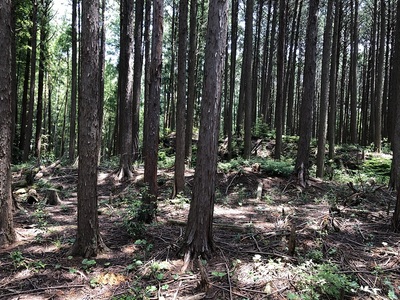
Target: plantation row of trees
316	69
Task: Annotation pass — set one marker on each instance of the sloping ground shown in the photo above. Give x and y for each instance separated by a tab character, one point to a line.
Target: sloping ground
339	251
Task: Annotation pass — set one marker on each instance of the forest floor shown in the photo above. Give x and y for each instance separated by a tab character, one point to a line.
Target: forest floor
344	246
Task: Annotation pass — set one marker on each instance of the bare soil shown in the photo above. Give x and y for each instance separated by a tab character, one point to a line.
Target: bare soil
327	224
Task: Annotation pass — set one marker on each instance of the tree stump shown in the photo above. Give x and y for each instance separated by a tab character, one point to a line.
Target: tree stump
52	198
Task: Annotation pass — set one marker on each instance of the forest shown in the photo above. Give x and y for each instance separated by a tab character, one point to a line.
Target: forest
172	149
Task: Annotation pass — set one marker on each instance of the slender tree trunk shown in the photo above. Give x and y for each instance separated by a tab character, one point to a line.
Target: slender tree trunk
24	103
291	75
379	80
126	96
179	178
102	52
7	233
191	80
74	82
323	113
395	175
280	80
353	76
232	79
333	83
151	120
137	75
302	160
29	118
247	74
198	239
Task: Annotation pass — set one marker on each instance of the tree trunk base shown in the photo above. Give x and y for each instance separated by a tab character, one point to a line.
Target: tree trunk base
87	250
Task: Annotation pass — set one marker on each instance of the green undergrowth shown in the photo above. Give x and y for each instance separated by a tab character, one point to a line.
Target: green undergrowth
282	168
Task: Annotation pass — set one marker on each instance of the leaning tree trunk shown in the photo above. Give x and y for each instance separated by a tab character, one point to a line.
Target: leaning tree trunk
198	239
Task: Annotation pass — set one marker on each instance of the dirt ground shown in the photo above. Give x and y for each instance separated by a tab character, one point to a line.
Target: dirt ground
273	241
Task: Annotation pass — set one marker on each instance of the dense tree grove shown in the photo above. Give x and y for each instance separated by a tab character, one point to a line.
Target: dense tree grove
319	70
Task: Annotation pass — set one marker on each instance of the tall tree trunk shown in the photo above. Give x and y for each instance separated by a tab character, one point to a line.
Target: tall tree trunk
395	175
74	82
126	96
198	239
152	117
7	233
42	66
353	76
191	80
323	112
232	74
280	66
247	74
333	82
102	53
29	118
179	177
379	79
88	241
291	74
137	75
24	104
303	153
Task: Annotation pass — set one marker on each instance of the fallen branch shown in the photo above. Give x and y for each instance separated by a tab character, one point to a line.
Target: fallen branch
36	290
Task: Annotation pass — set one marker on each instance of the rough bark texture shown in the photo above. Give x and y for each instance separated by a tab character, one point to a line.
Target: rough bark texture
192	58
88	240
179	182
152	117
198	238
395	175
232	75
126	89
30	107
353	76
280	66
332	83
323	111
74	83
247	70
7	234
137	75
302	160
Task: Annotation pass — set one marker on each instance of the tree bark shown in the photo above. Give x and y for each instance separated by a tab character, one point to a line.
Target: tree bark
88	241
7	233
198	239
152	118
179	176
191	80
280	66
247	75
333	83
323	112
30	107
303	153
126	91
137	76
379	79
74	83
